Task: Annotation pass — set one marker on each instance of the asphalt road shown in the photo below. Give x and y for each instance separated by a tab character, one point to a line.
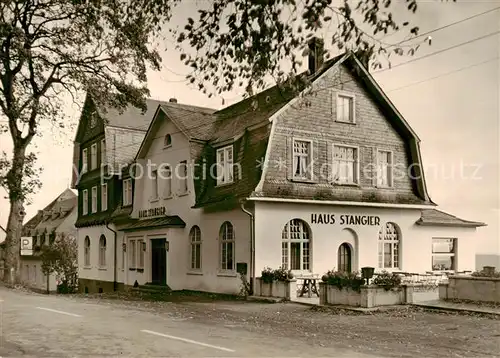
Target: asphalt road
53	326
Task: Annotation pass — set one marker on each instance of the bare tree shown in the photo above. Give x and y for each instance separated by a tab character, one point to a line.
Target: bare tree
53	48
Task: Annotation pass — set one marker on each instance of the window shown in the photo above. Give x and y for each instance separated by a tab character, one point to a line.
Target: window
127	192
344	258
86	251
302	159
93	156
154	184
443	254
296	246
168	182
124	250
345	108
167	141
225	165
388	246
103	152
384	170
226	236
85	159
94	199
131	254
85	202
140	251
195	239
345	165
42	240
102	251
184	177
104	197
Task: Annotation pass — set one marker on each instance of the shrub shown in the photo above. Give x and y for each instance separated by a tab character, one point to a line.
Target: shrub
269	275
486	272
342	279
387	280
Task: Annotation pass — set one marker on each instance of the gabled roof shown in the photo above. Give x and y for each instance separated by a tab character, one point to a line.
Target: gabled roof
434	217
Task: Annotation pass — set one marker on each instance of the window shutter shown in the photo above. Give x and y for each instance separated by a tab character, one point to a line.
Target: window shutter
289	157
329	166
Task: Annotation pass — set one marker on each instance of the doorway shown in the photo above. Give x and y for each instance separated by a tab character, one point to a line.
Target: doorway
158	262
344	258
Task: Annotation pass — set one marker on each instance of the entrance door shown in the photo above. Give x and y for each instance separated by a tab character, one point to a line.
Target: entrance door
344	257
158	262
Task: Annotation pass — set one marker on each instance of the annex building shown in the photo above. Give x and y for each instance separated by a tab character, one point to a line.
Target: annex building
329	180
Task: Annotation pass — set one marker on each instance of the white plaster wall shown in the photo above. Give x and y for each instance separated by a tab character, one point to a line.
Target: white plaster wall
416	241
94	272
32	275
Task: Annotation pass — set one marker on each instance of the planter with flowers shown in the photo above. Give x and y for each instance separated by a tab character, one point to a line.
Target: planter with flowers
277	283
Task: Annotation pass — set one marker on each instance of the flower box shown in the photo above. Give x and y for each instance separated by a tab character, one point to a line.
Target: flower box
367	297
278	289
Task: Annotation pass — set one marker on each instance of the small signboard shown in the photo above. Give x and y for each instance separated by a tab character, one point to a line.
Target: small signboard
26	246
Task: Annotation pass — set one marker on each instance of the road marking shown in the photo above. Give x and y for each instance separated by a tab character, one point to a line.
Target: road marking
61	312
187	340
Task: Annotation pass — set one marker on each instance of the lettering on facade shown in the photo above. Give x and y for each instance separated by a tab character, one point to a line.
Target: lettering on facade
147	213
345	219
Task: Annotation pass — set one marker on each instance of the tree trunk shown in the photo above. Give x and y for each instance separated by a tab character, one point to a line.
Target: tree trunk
12	272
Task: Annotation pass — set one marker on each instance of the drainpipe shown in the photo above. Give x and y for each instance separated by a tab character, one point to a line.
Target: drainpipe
115	283
252	246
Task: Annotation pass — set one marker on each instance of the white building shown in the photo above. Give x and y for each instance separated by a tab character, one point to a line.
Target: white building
330	180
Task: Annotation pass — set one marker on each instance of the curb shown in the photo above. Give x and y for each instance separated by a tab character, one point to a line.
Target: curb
457	309
266	299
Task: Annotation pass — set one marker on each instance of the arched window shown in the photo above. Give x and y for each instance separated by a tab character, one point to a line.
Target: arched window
167	140
86	251
344	257
195	240
388	246
102	251
226	238
296	246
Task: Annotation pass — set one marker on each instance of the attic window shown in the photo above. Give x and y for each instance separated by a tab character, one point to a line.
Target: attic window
93	119
167	141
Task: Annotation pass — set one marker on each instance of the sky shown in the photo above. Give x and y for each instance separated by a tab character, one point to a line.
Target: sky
448	92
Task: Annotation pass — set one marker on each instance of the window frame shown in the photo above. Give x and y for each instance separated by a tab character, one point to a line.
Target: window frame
93	204
381	248
104	196
85	160
226	168
286	247
390	173
352	97
102	251
195	246
86	251
85	202
231	241
140	254
103	152
356	170
167	141
127	192
184	183
155	192
132	256
168	183
310	164
93	156
445	254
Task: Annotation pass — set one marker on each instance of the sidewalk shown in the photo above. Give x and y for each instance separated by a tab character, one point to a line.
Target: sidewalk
461	307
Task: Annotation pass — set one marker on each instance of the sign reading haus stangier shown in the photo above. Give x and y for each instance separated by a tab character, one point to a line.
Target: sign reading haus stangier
148	213
345	219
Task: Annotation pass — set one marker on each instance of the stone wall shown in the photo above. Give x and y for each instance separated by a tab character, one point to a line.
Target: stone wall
277	289
483	289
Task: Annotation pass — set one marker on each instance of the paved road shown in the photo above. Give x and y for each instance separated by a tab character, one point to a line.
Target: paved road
52	326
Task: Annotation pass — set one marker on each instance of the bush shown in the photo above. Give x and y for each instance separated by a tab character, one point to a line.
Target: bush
487	272
342	279
387	280
269	275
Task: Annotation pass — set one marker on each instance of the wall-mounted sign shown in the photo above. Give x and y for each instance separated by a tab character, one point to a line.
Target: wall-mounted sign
365	220
147	213
26	245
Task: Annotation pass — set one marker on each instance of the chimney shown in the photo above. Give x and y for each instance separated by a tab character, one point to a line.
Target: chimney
316	53
173	100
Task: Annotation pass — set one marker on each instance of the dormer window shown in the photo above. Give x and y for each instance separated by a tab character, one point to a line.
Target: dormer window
167	141
84	160
345	108
225	165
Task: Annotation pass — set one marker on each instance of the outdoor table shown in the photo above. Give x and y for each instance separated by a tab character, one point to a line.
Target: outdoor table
309	286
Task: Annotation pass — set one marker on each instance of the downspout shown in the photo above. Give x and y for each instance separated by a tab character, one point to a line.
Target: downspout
252	246
115	283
